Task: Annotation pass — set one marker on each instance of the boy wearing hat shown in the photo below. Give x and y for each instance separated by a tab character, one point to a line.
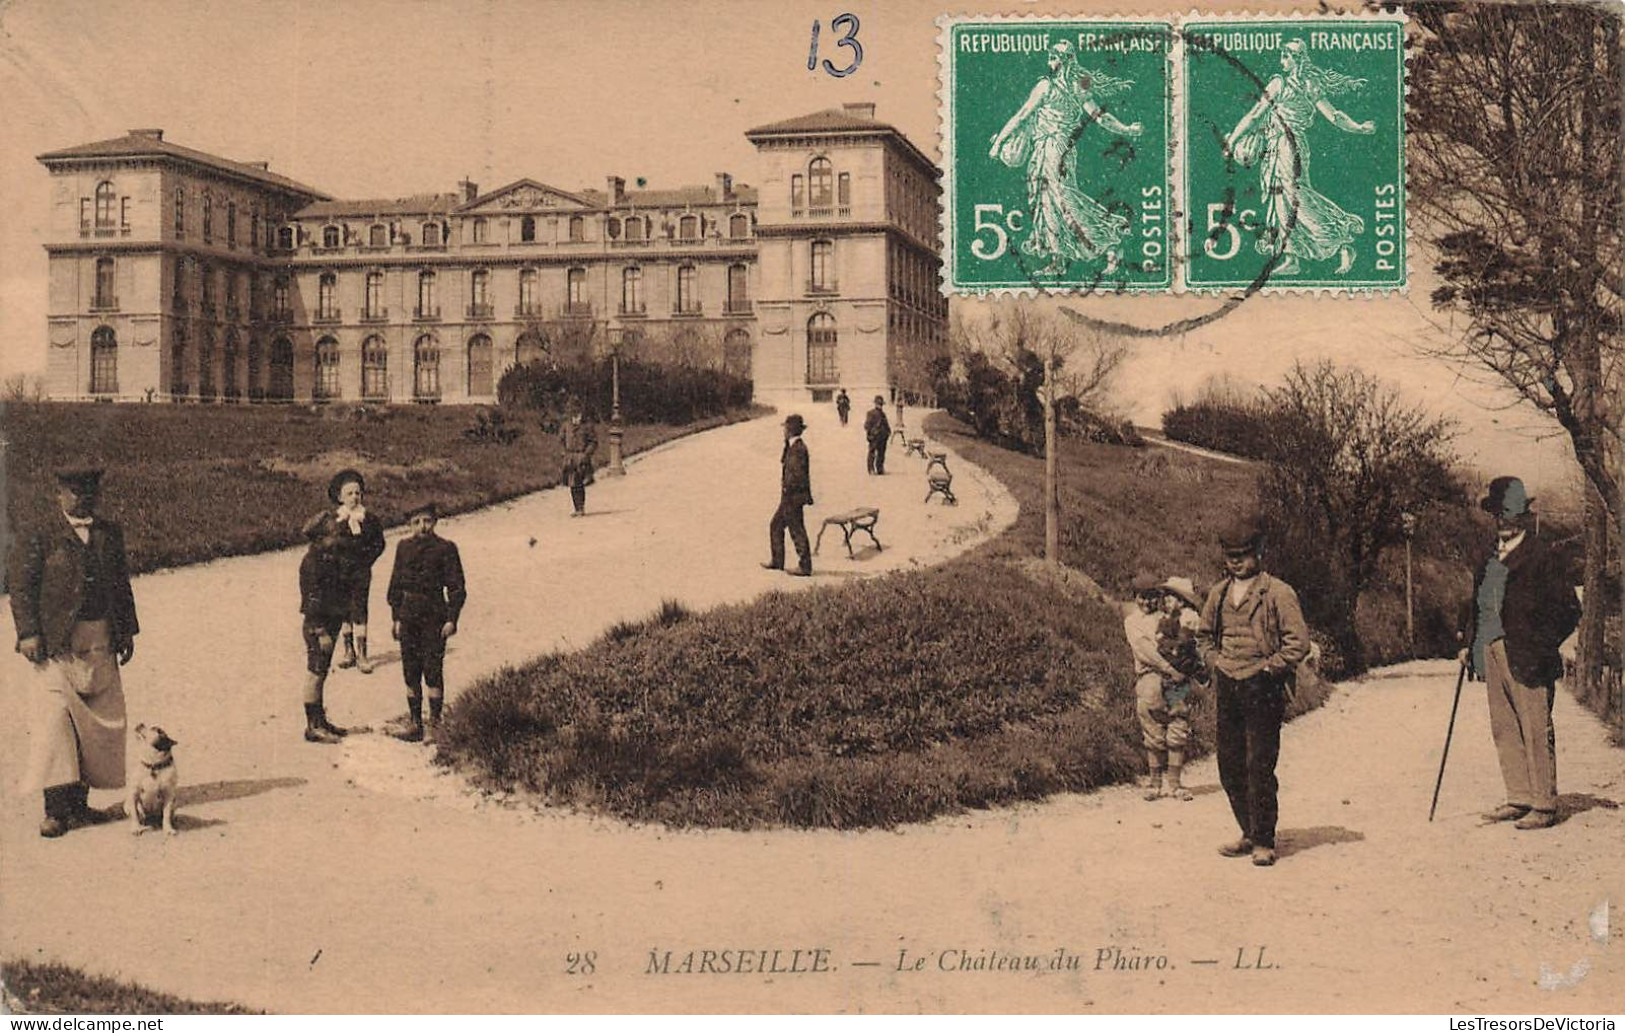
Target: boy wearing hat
795	494
878	430
426	595
1164	732
1522	608
360	543
1176	642
75	617
1253	637
324	603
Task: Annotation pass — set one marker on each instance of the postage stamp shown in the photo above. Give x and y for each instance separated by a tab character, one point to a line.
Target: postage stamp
1056	137
1293	153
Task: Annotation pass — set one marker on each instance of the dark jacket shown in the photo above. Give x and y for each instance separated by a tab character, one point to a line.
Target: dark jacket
427	582
796	483
323	587
875	425
1276	619
580	441
47	581
356	552
843	402
1538	612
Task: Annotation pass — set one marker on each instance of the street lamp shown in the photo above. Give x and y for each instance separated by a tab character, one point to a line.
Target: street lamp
1407	524
616	431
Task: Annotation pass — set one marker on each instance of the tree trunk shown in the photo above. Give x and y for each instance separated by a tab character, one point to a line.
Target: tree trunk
1588	685
1052	501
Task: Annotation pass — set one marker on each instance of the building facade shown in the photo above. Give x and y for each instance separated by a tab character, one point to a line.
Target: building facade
179	276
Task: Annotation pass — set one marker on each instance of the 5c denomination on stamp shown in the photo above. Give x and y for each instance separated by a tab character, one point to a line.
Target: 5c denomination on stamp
1056	138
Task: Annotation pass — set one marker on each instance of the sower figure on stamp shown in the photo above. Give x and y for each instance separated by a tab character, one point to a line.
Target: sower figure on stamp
878	430
795	494
1522	608
1253	637
580	442
75	617
426	596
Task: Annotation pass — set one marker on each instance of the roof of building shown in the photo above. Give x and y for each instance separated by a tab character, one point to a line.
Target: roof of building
675	198
144	143
840	121
417	204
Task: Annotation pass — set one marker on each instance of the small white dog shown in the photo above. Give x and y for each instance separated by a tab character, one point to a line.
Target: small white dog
153	789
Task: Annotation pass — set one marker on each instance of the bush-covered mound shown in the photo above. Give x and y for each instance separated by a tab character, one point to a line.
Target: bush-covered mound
51	989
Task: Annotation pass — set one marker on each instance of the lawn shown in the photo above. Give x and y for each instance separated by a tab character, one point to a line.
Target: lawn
191	483
49	989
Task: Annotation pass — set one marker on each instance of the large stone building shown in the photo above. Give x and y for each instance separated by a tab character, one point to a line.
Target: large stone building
179	275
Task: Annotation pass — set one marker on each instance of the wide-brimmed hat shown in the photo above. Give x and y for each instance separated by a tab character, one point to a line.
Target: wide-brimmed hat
880	399
82	479
1242	534
1506	498
1146	583
342	478
795	423
428	509
1185	588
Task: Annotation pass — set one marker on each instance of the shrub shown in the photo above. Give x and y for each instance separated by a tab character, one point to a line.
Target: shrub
649	392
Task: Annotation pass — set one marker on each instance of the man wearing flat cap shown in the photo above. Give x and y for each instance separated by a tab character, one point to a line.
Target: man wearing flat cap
795	494
1522	608
75	617
877	429
1253	636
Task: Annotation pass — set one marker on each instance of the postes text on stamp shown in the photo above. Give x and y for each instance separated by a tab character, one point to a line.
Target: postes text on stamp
1293	153
1056	139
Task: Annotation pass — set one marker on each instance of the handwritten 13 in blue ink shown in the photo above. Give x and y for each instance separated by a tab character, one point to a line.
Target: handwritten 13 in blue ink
849	22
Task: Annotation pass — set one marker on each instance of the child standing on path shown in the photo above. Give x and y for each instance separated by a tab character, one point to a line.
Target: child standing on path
1176	642
1165	734
324	600
426	596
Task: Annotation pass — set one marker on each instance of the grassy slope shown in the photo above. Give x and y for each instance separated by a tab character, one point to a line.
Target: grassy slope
50	989
191	483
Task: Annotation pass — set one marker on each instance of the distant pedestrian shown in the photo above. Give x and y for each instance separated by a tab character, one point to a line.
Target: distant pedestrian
1253	637
795	494
1163	732
843	405
1523	607
426	597
75	618
878	430
580	441
360	543
324	604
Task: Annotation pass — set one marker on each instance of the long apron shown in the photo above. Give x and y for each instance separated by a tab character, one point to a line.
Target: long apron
78	722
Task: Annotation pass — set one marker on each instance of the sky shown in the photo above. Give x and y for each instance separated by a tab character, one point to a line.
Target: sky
363	98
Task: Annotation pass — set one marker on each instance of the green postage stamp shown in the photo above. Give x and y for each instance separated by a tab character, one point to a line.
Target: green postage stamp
1056	141
1294	153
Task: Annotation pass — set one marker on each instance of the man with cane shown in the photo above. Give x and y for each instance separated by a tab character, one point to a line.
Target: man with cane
1522	608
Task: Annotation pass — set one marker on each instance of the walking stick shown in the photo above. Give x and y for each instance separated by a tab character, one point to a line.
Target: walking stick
1461	677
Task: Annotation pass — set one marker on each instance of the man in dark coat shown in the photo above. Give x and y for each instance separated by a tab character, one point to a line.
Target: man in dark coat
795	494
1523	607
843	405
1253	636
75	617
580	441
878	430
426	595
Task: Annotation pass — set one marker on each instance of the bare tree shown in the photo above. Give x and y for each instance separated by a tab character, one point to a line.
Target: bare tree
1515	166
23	387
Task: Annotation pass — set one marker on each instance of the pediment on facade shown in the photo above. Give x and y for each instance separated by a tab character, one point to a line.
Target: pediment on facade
525	195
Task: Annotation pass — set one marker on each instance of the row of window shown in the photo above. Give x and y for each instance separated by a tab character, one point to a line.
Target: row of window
207	212
820	191
434	234
109	210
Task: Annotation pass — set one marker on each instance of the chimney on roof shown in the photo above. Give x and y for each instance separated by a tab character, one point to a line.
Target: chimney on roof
266	165
468	188
725	186
150	134
864	109
615	187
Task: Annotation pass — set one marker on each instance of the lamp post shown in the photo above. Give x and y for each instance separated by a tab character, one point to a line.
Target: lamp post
615	468
1407	524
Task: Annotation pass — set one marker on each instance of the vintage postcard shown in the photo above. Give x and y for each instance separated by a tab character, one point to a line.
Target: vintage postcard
744	507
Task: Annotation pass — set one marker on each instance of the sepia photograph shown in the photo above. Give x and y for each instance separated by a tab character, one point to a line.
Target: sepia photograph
1213	414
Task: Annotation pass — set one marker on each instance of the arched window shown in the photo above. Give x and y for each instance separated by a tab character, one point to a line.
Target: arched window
208	217
374	369
687	300
527	229
530	347
688	227
821	368
431	234
228	367
325	385
738	288
104	362
738	225
528	281
820	183
426	368
327	305
480	384
822	277
231	223
180	211
255	392
578	228
378	235
374	303
205	364
428	305
331	236
281	302
281	388
106	291
636	228
736	353
632	290
106	203
479	232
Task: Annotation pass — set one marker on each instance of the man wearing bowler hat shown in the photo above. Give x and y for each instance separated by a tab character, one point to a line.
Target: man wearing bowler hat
1522	608
75	617
877	429
795	494
1253	636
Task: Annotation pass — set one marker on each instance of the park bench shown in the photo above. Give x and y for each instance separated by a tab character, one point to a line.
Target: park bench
939	479
915	447
853	520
